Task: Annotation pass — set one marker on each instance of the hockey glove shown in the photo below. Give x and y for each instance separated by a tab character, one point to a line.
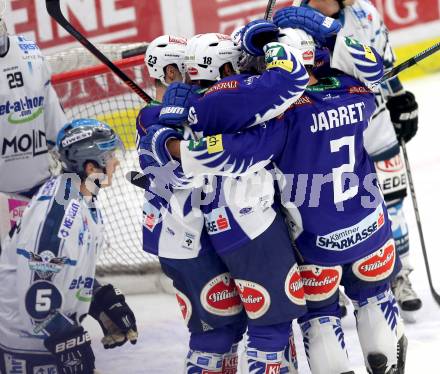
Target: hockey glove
154	144
175	104
72	351
115	317
256	35
404	115
311	21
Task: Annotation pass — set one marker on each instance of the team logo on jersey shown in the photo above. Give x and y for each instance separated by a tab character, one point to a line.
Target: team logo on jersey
45	264
293	286
378	265
320	282
24	146
230	363
68	219
348	237
23	110
255	298
220	296
217	221
42	299
185	306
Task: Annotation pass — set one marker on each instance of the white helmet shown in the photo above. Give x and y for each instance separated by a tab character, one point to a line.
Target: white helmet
163	51
206	53
299	39
3	30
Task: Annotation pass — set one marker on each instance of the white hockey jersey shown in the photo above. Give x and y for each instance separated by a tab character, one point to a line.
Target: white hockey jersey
48	264
30	116
363	22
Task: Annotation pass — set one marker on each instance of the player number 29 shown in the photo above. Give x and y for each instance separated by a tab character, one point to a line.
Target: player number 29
43	300
339	195
15	79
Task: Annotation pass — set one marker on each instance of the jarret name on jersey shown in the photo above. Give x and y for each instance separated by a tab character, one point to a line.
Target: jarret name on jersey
333	118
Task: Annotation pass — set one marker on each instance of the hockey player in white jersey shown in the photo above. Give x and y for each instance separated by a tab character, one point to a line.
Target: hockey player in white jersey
47	267
30	118
395	106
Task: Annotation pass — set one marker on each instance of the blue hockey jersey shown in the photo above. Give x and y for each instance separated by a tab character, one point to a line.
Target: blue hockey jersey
327	180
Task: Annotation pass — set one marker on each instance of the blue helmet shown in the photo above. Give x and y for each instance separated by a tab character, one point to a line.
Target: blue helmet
84	140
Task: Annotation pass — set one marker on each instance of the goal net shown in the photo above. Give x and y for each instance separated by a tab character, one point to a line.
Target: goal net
95	92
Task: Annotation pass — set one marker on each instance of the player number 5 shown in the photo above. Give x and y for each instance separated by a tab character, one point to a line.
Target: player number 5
43	300
339	195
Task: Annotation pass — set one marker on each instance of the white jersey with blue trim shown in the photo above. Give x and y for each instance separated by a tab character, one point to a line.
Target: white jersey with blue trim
30	116
48	265
363	22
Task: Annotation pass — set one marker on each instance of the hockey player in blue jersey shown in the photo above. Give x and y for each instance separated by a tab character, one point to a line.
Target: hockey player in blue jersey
338	217
395	106
173	229
48	264
241	218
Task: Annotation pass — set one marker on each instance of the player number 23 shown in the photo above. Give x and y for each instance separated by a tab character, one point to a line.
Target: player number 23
339	195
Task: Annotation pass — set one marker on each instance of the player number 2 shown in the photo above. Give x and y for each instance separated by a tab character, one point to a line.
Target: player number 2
43	300
339	195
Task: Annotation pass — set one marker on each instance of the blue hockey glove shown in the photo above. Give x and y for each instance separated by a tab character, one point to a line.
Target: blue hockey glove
311	21
72	351
152	146
175	104
256	35
114	316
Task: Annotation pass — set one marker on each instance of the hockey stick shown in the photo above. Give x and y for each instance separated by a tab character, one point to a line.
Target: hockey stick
53	8
269	10
434	293
410	62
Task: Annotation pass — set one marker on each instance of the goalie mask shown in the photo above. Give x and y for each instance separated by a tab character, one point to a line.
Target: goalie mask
163	51
3	30
300	40
206	53
85	140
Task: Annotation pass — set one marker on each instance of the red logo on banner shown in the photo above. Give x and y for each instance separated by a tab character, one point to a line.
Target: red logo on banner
293	286
185	306
255	298
220	296
378	265
320	282
230	364
273	368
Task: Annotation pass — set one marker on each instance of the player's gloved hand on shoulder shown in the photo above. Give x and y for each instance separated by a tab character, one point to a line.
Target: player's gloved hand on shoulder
175	104
311	21
280	55
256	35
404	115
115	317
153	145
72	351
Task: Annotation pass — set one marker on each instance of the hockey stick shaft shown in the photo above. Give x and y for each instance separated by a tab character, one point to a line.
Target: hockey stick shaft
434	293
54	9
269	10
410	62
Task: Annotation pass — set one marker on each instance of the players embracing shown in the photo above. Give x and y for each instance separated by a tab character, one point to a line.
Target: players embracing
342	233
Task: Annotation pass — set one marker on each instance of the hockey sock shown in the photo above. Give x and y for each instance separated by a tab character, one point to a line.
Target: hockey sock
325	346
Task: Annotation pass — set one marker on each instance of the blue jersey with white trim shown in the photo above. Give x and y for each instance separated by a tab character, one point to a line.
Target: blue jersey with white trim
327	180
239	209
48	264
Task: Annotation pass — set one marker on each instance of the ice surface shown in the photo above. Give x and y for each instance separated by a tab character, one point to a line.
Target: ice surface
163	338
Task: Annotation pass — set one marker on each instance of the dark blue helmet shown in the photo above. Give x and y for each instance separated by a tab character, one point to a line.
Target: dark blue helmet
84	140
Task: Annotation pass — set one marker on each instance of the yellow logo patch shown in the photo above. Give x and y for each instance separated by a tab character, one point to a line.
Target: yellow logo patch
214	143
